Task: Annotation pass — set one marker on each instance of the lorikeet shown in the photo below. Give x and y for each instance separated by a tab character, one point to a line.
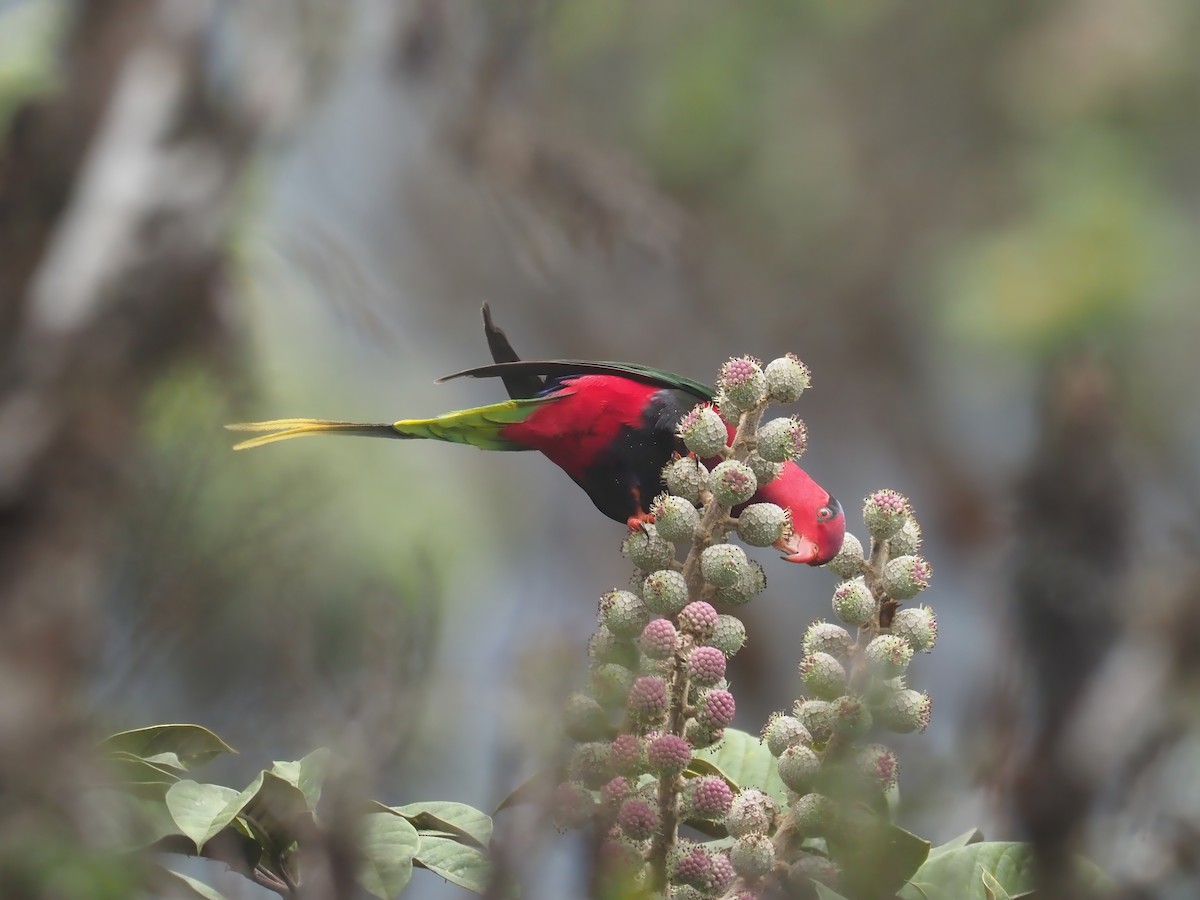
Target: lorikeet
609	426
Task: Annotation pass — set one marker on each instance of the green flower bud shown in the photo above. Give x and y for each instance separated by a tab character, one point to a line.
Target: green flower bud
906	541
623	614
848	562
749	586
728	410
854	603
825	637
665	592
606	647
752	856
762	524
782	439
783	731
823	676
703	432
686	477
675	518
647	550
817	716
742	381
888	655
583	718
798	767
813	814
729	635
589	764
879	764
573	805
787	378
723	565
851	717
752	812
884	513
702	734
764	470
918	626
732	482
610	684
905	711
906	576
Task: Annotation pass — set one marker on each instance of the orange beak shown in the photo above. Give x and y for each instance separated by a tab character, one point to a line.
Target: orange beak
797	548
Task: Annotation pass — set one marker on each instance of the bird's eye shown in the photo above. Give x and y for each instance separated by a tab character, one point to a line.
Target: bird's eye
824	514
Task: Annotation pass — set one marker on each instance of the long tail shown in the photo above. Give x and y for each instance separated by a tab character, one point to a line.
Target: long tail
483	426
283	429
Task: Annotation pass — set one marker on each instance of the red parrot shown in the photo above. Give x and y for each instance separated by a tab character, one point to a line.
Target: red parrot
609	426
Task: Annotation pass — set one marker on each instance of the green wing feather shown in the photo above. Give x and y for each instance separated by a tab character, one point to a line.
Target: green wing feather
482	426
557	368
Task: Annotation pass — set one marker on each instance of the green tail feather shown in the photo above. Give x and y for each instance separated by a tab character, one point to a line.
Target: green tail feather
481	427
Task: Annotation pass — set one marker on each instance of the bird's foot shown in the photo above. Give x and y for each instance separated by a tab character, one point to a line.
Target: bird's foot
639	521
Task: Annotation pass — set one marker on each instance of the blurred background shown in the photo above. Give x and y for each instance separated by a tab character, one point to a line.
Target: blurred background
979	224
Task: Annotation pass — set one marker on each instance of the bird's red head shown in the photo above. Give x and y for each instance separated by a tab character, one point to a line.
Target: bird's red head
818	523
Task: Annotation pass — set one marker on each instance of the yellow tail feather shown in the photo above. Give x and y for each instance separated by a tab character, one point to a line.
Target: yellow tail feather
285	429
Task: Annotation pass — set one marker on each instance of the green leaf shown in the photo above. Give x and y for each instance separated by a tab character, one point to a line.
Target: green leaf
459	864
826	893
199	888
744	761
970	836
536	789
389	844
201	810
985	871
273	808
307	774
879	859
466	823
191	745
131	769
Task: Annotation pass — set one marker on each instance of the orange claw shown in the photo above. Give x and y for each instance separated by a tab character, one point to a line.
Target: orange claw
640	520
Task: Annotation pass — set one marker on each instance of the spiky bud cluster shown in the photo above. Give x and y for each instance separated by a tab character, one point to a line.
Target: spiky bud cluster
627	756
904	711
686	477
703	431
589	764
706	665
658	639
729	635
668	754
623	613
783	731
813	814
723	565
573	805
762	524
818	716
752	856
665	592
906	576
823	675
798	767
732	482
906	541
849	560
584	719
781	440
648	698
879	765
751	584
787	378
647	550
743	382
709	797
716	709
918	626
764	470
610	684
675	518
854	603
825	637
698	619
888	655
884	513
751	812
637	819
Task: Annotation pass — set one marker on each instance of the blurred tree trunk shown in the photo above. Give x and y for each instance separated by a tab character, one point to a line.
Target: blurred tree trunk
115	195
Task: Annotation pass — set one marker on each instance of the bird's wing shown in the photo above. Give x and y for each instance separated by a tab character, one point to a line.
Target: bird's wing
560	368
